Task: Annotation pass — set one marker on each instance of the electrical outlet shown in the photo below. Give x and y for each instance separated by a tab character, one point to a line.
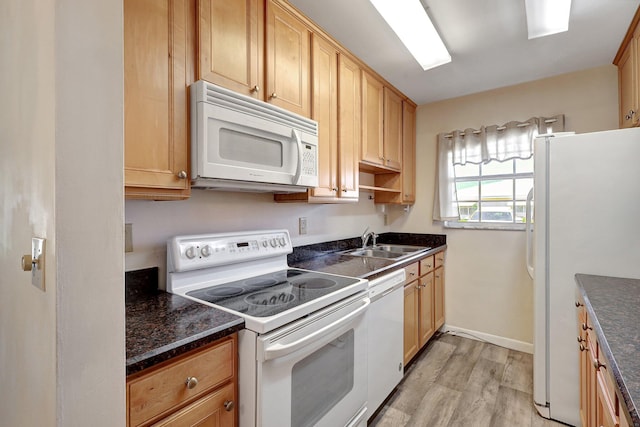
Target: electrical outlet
128	237
302	225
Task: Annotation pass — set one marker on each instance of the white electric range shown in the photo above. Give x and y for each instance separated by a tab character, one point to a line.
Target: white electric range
302	356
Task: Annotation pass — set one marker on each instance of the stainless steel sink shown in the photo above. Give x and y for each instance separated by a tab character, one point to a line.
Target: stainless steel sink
393	252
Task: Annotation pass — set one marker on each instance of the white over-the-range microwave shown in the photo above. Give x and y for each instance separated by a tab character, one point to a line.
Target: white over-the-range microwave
240	143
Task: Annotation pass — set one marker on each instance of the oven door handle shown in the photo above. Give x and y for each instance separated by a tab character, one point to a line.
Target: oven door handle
278	350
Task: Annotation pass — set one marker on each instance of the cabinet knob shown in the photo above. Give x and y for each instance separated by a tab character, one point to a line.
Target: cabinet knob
191	382
579	304
412	274
273	95
182	174
335	189
255	89
344	190
229	405
598	365
629	115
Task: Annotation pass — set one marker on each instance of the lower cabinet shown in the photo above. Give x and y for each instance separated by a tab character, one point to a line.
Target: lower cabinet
423	303
199	388
599	402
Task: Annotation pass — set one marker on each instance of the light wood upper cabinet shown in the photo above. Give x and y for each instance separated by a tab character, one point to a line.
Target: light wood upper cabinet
392	142
408	153
371	150
349	125
158	67
628	62
287	60
231	44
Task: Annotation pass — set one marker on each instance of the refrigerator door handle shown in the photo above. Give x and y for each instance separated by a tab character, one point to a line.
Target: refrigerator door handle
529	232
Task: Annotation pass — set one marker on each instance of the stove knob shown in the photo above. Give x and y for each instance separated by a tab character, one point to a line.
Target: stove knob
273	243
283	242
265	243
191	252
206	251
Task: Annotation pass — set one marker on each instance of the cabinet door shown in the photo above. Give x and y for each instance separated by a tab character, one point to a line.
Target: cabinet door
408	153
349	123
287	60
217	409
411	305
426	326
158	51
371	150
627	76
324	75
230	44
605	409
392	141
438	298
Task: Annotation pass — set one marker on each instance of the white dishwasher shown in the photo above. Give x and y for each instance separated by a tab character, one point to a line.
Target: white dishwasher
385	323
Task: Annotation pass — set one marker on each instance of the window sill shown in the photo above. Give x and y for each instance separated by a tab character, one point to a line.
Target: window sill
484	226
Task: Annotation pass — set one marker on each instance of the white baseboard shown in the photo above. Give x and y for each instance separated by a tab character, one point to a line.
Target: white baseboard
509	343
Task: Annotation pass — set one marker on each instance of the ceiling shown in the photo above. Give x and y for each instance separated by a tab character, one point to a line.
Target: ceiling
487	40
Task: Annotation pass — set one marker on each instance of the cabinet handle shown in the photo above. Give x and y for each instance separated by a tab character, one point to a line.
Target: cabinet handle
191	382
273	95
412	274
585	327
334	189
344	190
598	365
182	174
630	115
418	286
583	348
437	276
229	405
580	339
578	304
255	89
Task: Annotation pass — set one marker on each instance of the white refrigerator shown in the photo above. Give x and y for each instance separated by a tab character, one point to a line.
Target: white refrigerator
586	209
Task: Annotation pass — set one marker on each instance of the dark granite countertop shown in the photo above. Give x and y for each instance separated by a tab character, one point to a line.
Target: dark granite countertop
612	304
160	325
327	258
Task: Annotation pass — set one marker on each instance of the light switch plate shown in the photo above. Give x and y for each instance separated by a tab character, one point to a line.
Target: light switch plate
302	225
37	254
128	237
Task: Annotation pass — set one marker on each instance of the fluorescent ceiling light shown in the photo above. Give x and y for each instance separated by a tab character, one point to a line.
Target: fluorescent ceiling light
546	17
411	23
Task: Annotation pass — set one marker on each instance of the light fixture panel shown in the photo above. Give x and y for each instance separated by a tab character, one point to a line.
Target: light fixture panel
546	17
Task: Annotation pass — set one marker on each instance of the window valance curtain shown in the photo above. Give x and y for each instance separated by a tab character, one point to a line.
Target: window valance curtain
513	140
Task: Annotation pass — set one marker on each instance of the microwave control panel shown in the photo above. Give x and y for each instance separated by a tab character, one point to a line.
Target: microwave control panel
310	160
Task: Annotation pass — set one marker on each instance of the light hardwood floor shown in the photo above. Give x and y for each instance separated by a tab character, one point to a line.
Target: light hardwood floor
460	382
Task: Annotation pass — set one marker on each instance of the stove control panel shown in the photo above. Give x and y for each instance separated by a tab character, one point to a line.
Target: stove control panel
209	250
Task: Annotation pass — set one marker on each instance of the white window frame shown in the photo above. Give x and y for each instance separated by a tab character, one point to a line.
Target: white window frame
513	226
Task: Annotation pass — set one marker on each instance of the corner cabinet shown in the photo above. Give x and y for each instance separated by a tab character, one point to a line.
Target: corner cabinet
231	44
196	389
423	303
158	67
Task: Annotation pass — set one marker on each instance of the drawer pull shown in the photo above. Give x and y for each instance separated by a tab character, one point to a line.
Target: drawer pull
578	304
583	348
191	382
412	274
585	327
598	365
580	339
229	405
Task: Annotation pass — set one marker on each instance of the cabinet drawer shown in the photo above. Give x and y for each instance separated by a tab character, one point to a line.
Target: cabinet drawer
157	392
439	259
412	272
216	409
426	265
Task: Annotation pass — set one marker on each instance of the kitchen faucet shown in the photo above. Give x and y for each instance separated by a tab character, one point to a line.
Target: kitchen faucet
366	235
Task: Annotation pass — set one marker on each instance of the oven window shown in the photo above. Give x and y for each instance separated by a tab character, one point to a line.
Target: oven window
321	380
250	148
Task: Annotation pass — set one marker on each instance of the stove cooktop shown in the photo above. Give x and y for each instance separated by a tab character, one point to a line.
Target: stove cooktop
274	293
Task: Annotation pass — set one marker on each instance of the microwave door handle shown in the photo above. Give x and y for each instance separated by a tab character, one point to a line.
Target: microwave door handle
296	136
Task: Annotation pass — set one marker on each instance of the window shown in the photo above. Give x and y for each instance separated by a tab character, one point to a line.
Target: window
492	194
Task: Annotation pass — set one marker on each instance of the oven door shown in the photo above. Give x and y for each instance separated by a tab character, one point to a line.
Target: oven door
314	372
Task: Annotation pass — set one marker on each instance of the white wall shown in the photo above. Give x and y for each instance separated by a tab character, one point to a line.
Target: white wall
487	286
61	351
214	211
27	151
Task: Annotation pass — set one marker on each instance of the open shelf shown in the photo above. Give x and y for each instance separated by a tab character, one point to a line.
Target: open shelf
384	189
